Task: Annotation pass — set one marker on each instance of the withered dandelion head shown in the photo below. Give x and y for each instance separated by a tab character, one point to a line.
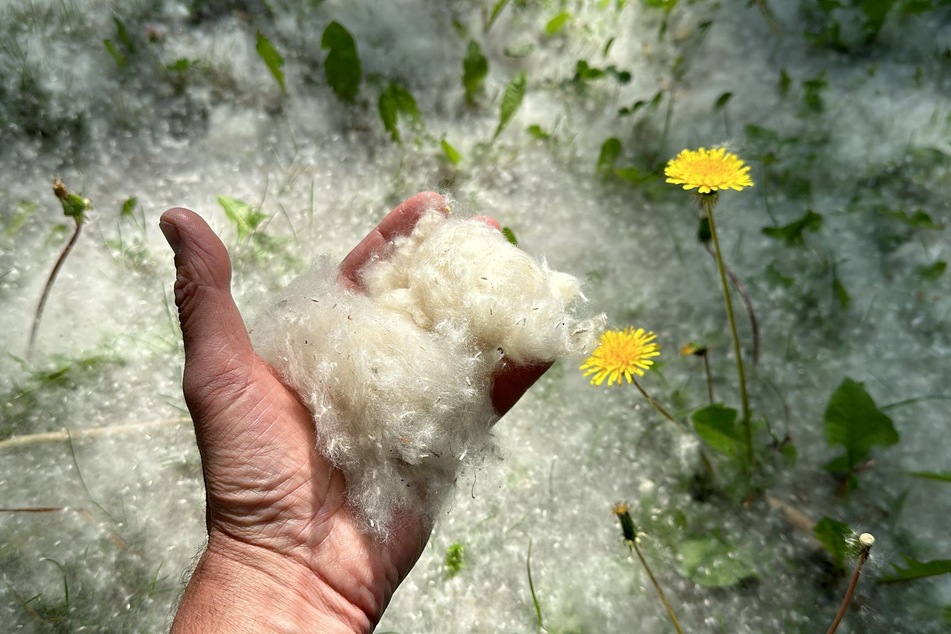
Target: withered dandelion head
708	171
620	355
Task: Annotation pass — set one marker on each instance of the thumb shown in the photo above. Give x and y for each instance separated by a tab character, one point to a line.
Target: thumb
218	352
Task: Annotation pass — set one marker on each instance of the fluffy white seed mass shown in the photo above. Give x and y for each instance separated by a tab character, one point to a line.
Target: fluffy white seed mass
399	378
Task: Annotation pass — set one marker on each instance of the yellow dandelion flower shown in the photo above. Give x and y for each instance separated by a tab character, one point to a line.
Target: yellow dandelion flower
708	170
620	355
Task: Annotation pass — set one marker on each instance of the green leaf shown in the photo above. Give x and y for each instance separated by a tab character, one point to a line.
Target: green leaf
244	217
853	422
712	563
931	272
396	101
451	153
454	560
496	10
128	207
123	34
833	535
272	59
722	101
180	65
585	72
537	132
610	151
940	476
511	102
557	23
794	232
510	235
716	425
118	56
342	67
633	175
475	68
812	92
841	294
915	569
917	220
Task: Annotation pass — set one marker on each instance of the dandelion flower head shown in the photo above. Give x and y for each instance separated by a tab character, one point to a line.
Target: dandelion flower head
708	170
620	355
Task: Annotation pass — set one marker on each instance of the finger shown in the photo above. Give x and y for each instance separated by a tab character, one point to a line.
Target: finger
492	222
398	222
216	341
511	381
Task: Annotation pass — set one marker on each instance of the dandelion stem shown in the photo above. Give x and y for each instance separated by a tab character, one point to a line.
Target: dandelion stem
49	285
706	370
866	540
670	611
708	202
75	207
660	408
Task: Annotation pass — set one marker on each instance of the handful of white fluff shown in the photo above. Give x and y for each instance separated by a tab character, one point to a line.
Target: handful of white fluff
399	379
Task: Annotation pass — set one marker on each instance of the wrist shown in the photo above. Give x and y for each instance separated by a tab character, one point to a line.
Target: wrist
238	588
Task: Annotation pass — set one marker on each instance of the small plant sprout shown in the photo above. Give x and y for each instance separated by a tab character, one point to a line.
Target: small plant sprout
709	171
866	540
75	207
622	511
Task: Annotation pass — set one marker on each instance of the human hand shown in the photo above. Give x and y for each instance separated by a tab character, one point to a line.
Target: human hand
285	552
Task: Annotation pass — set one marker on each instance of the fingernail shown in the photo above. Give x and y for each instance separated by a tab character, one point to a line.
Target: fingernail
171	235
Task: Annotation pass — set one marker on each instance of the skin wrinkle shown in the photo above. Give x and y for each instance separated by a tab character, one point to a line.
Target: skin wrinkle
281	580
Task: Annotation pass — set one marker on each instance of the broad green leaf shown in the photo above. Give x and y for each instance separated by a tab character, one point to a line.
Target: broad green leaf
833	535
610	151
342	67
712	563
475	67
915	569
853	422
511	102
794	232
396	101
557	23
244	217
272	59
716	425
451	153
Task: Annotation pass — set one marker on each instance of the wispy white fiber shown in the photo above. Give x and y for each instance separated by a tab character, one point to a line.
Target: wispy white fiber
399	378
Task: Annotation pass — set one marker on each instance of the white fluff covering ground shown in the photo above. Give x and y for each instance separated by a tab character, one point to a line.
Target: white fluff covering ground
399	378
